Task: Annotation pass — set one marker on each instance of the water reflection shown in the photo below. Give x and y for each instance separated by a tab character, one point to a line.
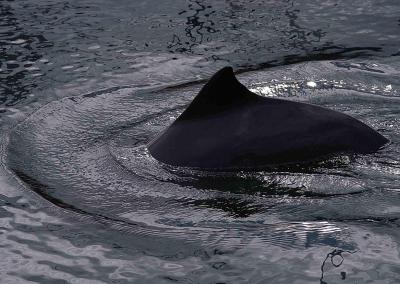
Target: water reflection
19	52
90	49
198	27
297	36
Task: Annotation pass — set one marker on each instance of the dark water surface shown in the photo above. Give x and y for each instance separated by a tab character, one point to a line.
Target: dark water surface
85	84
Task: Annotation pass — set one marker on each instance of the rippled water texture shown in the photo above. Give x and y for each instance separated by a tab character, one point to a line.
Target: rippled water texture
85	85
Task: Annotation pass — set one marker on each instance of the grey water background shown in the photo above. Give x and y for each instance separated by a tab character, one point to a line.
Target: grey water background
85	84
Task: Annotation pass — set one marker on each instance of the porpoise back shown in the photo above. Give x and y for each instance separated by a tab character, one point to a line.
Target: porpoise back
227	127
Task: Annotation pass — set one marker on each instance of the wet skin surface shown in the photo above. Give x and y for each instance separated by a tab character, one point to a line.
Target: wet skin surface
227	127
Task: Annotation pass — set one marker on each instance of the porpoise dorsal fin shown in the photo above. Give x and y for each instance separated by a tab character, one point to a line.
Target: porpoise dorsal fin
221	92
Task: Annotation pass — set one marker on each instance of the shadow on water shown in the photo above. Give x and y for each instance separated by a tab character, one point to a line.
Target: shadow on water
263	181
252	187
234	207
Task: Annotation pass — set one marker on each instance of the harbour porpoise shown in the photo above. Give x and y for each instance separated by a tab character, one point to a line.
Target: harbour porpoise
228	127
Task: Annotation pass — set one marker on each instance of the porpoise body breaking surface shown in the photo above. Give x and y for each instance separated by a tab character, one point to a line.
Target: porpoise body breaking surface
228	127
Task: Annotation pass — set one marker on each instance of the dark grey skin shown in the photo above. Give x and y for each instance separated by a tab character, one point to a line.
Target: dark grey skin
227	127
